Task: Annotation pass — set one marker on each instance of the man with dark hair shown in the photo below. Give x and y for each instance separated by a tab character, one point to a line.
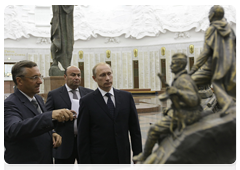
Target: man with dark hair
107	118
67	96
183	92
217	62
28	137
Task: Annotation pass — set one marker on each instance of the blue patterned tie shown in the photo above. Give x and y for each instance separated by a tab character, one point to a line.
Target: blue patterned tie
110	104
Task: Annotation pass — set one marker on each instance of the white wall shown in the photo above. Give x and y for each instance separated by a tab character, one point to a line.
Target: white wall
147	28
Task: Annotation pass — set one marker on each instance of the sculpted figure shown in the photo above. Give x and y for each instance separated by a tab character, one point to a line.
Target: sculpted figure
185	109
217	62
61	36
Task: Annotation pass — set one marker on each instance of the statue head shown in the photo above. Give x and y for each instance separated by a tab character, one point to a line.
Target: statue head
216	13
179	62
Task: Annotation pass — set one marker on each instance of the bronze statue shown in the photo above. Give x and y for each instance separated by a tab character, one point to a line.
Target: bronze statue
62	37
217	62
185	110
210	134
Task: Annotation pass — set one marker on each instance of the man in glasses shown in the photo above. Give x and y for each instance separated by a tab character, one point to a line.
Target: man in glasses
28	136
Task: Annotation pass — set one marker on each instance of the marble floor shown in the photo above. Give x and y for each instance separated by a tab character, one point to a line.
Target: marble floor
145	118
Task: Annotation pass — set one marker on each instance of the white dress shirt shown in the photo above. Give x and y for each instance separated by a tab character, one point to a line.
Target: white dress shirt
74	104
105	97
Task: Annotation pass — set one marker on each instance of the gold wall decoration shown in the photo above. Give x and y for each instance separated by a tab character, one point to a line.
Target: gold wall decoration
108	53
163	50
80	53
191	48
135	52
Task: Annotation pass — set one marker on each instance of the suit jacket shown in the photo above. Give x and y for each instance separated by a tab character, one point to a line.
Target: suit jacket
104	139
59	99
27	133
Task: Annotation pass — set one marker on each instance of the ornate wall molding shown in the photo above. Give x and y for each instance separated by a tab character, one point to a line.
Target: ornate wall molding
182	35
43	41
112	40
132	21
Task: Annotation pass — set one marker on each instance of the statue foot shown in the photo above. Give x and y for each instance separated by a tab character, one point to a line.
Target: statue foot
140	158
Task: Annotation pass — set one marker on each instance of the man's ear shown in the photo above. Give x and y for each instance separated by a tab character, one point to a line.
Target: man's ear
94	78
19	81
182	66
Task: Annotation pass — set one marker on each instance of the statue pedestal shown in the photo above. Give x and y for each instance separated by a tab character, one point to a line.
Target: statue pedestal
51	83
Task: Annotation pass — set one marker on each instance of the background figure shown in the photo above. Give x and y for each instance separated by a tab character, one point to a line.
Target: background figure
62	35
185	93
220	46
105	123
28	136
63	97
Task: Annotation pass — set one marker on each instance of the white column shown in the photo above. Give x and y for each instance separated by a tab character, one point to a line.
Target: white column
157	70
146	70
119	71
141	70
114	62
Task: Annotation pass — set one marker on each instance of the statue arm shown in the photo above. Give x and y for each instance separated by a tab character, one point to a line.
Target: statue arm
203	57
187	93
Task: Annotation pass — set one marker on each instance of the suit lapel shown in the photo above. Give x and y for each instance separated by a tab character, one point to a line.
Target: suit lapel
81	91
40	104
65	97
118	99
99	99
26	102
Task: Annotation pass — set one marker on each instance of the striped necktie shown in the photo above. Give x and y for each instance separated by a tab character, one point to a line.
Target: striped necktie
35	104
74	94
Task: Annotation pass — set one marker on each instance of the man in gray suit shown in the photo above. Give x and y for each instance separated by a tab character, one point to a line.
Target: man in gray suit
67	96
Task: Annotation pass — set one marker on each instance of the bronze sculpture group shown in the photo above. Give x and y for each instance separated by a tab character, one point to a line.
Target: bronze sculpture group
210	136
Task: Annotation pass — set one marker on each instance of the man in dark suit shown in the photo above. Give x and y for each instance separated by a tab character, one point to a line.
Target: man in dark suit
28	136
107	118
64	97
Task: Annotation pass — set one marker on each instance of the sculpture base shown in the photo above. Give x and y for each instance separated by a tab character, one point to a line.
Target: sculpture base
51	83
55	71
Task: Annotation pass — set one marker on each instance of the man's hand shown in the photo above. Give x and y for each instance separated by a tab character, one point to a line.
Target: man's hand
172	90
62	115
57	140
87	168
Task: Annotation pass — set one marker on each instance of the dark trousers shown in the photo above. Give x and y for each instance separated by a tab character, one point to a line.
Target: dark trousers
72	158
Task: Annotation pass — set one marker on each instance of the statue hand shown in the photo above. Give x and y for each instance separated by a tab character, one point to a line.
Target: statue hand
172	90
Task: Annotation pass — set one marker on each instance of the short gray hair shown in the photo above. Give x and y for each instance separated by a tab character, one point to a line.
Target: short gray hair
19	69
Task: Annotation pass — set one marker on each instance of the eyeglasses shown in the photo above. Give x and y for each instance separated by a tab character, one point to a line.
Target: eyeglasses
34	78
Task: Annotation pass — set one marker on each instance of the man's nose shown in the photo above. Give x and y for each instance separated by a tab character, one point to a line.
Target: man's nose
107	77
39	81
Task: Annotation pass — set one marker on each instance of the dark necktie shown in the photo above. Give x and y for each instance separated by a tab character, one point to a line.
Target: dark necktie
110	104
35	104
74	94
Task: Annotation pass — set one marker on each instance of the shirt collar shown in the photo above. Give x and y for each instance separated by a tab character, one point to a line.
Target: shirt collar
69	89
29	98
104	92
